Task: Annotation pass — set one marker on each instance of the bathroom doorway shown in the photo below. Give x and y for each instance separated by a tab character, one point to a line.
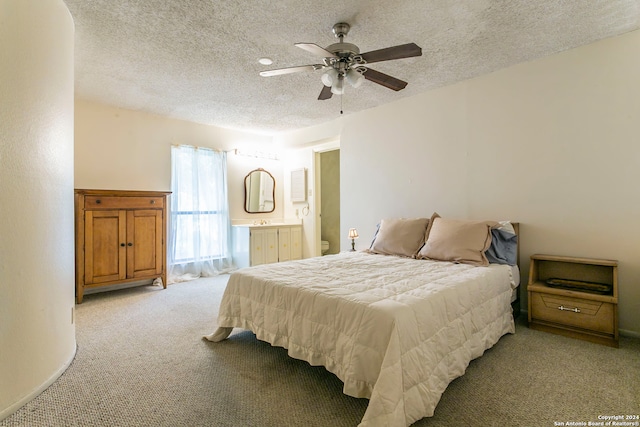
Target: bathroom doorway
329	203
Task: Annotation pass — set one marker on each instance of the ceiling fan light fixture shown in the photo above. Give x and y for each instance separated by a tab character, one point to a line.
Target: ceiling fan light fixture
329	77
338	87
354	78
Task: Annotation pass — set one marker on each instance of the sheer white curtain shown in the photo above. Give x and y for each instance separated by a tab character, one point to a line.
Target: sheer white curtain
200	230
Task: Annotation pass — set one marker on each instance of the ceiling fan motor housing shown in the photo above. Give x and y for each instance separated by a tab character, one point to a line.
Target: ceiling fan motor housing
346	52
343	49
348	58
341	29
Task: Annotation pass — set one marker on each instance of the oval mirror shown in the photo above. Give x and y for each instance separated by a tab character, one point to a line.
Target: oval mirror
259	192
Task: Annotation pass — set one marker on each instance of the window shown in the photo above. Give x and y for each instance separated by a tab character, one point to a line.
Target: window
199	242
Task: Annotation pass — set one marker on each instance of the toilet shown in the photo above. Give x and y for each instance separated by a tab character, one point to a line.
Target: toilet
324	247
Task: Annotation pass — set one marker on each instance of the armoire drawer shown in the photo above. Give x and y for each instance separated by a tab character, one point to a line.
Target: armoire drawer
109	202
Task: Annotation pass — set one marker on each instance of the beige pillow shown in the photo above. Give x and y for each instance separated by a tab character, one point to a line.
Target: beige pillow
458	241
433	217
400	236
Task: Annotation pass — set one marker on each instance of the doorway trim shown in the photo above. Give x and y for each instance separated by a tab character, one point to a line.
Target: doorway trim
317	151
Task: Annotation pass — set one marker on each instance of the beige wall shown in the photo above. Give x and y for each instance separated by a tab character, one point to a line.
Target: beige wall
37	331
127	150
552	144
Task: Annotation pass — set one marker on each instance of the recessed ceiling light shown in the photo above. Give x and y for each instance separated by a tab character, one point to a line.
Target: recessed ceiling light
265	61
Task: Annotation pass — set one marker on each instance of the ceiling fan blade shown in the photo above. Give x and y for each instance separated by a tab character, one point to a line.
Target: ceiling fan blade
290	70
316	50
325	93
396	52
384	79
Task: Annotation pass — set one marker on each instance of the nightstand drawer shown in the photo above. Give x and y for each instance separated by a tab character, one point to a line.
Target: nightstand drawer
581	313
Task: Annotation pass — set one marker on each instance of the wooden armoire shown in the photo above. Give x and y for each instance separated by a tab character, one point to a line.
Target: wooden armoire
120	237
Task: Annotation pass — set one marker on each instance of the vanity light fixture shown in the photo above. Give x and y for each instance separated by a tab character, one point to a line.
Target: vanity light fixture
353	235
257	154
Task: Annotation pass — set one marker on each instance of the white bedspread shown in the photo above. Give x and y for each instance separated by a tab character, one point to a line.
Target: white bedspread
394	330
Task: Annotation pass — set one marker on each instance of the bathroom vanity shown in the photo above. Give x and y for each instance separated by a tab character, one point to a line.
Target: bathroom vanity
255	244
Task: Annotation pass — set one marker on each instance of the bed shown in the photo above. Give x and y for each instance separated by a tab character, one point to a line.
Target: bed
394	323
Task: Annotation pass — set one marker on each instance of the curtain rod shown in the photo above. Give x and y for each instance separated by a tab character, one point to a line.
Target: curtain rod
201	148
238	151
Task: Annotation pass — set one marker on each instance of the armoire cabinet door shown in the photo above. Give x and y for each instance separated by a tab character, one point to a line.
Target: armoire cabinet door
105	250
144	243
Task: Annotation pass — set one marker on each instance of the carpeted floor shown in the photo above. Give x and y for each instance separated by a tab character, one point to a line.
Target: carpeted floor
141	362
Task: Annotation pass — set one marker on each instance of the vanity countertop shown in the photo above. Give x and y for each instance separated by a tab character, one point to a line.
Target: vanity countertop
266	223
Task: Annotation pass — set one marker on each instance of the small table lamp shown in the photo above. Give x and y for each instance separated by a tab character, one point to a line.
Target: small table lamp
353	235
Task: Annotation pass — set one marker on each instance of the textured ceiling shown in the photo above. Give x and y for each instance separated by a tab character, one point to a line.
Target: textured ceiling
197	60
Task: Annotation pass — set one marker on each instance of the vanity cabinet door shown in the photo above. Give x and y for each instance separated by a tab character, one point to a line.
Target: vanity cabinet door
271	245
259	244
257	247
296	243
264	246
284	244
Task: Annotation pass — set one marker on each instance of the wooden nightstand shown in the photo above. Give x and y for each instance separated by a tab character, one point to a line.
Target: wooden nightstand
576	313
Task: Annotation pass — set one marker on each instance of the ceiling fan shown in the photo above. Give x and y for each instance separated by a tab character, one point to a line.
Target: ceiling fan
343	61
